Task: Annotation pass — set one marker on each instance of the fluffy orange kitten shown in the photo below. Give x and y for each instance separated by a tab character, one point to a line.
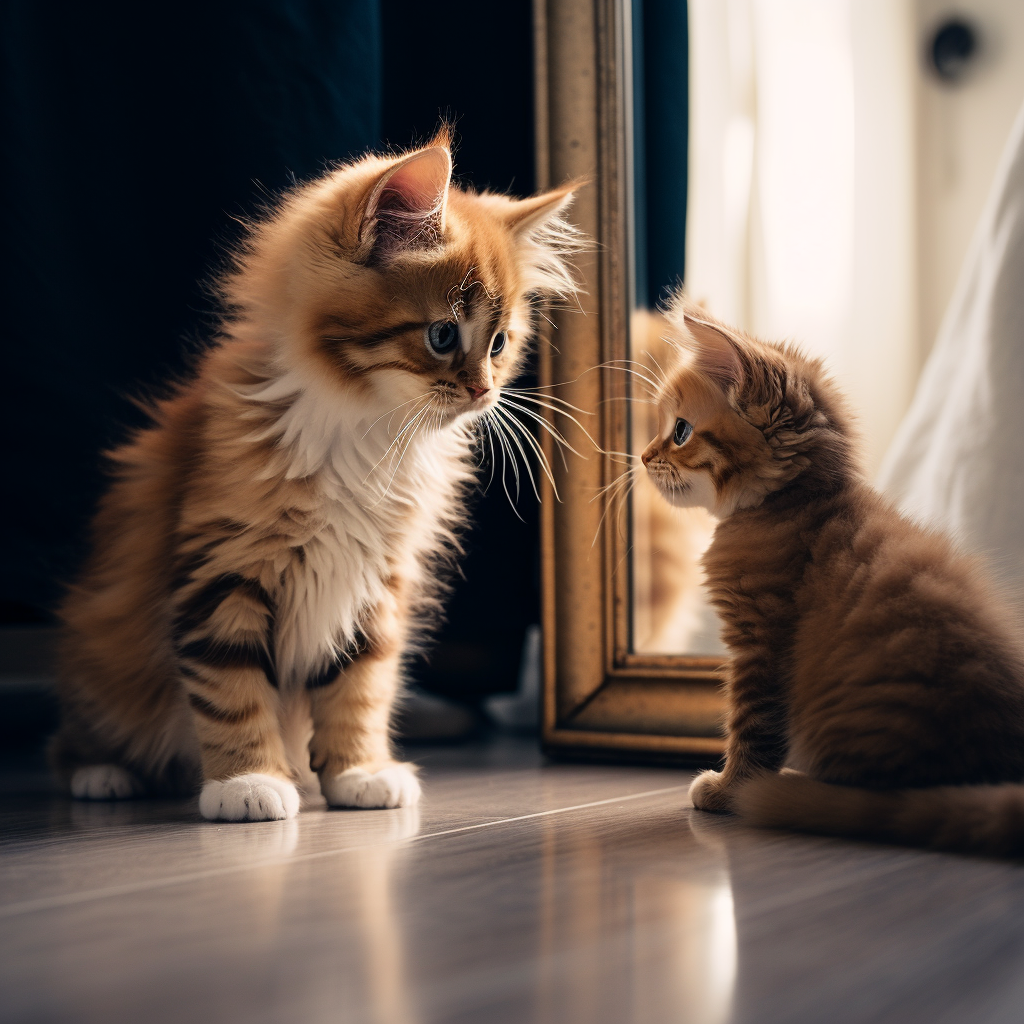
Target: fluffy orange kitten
876	686
268	546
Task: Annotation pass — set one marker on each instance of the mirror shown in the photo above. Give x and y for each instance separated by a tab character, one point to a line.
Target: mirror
604	694
810	172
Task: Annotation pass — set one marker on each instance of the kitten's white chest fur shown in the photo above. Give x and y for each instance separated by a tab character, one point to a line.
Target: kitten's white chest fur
382	505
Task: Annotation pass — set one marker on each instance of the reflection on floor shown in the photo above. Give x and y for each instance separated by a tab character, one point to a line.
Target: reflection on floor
521	891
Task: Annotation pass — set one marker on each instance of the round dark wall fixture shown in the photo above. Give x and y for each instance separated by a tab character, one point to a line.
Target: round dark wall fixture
954	44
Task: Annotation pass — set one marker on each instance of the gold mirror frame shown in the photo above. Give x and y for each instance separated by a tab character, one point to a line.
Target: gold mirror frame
600	698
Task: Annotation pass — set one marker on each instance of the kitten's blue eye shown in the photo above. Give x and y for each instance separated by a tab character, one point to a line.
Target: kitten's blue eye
682	432
499	342
443	336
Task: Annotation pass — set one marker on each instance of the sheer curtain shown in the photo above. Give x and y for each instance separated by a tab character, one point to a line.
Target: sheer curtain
801	219
958	458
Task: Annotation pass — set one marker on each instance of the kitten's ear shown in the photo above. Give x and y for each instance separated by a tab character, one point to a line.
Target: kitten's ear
406	206
715	353
546	240
526	215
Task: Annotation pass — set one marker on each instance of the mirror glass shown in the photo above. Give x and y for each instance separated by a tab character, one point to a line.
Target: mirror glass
670	610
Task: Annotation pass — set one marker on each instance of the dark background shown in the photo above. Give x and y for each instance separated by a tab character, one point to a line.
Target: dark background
661	134
133	134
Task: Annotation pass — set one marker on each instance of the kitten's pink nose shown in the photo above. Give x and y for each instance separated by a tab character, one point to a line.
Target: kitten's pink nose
647	455
475	393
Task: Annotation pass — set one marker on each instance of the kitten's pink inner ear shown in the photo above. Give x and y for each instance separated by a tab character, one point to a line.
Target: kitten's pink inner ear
408	203
419	184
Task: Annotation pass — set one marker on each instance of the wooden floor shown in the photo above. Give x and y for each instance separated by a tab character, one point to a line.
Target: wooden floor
519	892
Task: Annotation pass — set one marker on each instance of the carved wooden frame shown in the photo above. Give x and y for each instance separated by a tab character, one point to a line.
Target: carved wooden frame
600	698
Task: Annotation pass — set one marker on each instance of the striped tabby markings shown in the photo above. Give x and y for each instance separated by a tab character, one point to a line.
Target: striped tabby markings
330	673
224	636
217	714
335	324
239	612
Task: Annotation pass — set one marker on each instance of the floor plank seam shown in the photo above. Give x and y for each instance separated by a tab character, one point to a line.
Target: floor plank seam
75	899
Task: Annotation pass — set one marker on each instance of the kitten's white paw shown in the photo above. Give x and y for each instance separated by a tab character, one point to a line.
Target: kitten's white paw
250	797
709	793
103	782
396	786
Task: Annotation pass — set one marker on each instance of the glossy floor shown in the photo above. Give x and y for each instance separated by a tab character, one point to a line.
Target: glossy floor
519	892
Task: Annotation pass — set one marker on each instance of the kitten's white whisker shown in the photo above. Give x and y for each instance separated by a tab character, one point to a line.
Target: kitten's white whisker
632	399
540	393
512	423
510	456
408	444
615	495
569	416
393	411
505	431
398	437
553	431
657	364
560	441
545	402
612	491
559	437
490	440
612	364
500	434
617	481
541	457
562	383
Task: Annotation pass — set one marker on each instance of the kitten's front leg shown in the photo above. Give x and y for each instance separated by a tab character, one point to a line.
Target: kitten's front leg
756	731
224	634
351	707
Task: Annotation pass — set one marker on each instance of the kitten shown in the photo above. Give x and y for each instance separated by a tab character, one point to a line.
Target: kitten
268	549
670	605
876	686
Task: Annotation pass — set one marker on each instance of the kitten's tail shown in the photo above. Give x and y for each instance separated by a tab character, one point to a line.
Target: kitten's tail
965	819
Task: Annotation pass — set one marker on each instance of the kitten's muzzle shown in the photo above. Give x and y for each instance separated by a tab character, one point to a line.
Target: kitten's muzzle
476	393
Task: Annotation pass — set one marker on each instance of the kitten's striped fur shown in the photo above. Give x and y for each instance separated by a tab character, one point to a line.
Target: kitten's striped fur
269	547
876	686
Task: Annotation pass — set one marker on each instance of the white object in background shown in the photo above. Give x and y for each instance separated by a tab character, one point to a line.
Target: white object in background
957	460
521	710
962	129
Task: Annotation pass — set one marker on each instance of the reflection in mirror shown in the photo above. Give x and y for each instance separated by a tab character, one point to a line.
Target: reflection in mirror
786	210
671	613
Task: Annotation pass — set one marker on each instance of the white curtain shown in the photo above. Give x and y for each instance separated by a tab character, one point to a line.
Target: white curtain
801	214
958	458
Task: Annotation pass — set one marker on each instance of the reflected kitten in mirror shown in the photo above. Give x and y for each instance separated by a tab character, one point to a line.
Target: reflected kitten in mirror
270	547
876	681
670	605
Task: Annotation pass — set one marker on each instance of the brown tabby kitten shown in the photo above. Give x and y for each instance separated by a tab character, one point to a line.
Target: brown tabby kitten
269	544
876	686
